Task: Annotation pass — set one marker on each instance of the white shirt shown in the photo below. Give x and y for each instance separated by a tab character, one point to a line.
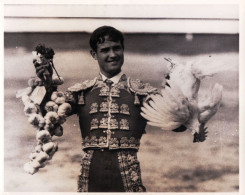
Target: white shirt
114	79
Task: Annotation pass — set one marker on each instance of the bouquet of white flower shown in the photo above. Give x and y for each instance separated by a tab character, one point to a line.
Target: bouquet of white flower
47	123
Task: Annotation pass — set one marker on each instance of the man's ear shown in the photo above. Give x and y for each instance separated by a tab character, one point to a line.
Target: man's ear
93	54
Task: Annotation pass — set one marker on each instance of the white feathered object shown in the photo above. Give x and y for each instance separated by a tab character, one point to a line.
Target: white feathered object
210	105
178	104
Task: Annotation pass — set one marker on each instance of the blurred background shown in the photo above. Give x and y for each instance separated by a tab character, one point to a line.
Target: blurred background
207	35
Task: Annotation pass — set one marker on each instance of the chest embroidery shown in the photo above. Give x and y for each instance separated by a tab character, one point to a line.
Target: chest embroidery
113	124
104	107
102	141
94	124
115	92
103	123
114	143
104	91
124	124
114	108
93	108
124	109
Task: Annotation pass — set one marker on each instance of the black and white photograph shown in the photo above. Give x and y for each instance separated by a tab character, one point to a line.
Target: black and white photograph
122	97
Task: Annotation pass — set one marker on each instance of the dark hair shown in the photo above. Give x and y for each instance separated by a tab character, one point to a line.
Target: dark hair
48	52
98	36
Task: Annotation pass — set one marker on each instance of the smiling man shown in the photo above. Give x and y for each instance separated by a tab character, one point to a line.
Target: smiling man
107	46
110	120
109	111
108	108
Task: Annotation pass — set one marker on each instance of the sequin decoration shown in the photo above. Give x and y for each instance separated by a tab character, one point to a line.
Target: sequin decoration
115	92
113	124
83	178
103	123
94	124
104	91
86	142
102	142
130	171
104	107
114	108
124	124
124	109
93	108
114	143
93	141
132	142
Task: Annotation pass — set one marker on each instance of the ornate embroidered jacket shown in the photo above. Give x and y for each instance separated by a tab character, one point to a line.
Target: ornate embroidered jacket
109	117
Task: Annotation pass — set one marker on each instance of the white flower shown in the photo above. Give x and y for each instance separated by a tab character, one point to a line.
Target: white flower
33	155
64	109
35	164
29	169
51	106
62	119
42	157
58	131
30	108
26	99
36	120
50	148
38	148
58	97
49	127
51	117
43	136
35	82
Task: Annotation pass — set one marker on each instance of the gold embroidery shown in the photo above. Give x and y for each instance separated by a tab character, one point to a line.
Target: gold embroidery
93	141
114	143
103	123
114	108
124	124
104	107
115	92
93	108
83	178
130	171
104	91
94	124
124	109
113	124
102	141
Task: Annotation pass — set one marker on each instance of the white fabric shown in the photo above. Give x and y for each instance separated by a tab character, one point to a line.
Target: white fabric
114	79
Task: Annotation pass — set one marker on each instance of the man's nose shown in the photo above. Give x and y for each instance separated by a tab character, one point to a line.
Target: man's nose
112	53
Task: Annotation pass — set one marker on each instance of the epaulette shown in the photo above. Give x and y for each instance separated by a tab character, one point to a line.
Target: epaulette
82	86
79	88
140	88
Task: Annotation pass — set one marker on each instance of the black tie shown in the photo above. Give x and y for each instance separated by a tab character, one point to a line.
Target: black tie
108	82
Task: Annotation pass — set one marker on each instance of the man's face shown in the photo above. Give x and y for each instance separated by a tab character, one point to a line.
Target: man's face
110	57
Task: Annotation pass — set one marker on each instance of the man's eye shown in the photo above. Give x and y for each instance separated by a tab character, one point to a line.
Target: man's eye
104	50
117	48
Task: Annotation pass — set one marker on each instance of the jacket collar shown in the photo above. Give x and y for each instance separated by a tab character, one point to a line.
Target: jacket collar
114	79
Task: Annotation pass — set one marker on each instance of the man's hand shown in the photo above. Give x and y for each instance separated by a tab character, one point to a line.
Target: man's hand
44	72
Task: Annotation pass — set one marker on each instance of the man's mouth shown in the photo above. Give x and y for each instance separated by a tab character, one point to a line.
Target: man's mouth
112	61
